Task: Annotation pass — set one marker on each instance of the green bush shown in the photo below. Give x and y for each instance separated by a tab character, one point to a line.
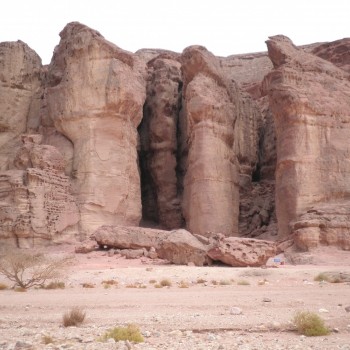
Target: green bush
310	324
131	332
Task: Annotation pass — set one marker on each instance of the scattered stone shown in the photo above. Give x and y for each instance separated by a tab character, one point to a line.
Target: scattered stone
323	310
266	300
236	311
347	308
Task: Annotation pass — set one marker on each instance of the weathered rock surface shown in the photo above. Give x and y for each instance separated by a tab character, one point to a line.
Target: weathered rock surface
20	89
241	252
182	248
158	135
337	52
95	96
310	100
36	203
127	237
211	189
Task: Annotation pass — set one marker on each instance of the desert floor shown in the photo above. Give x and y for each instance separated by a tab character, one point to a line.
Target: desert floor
202	316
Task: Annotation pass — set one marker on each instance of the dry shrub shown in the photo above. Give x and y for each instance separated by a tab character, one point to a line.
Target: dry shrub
110	282
55	285
3	286
310	324
201	281
152	281
165	282
74	317
28	270
225	283
88	285
131	333
243	283
333	277
47	339
183	284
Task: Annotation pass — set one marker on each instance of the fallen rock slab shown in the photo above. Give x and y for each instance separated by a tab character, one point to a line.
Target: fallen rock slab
182	248
129	237
241	252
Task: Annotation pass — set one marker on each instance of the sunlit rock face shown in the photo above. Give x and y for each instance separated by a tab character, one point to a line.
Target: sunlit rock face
95	96
310	100
20	88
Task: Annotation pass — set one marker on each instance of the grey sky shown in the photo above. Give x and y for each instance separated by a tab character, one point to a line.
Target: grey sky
225	27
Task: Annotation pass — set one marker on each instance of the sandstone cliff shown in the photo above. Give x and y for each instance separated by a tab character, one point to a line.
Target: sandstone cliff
102	136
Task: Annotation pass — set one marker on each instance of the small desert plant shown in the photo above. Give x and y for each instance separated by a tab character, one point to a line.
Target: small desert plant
74	317
165	282
331	277
225	282
243	283
131	332
310	324
183	284
157	285
110	282
55	285
214	282
201	281
3	286
47	339
88	285
20	289
152	281
28	270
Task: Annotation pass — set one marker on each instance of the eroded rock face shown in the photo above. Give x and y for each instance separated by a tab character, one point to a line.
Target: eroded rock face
36	204
310	100
20	89
211	190
241	252
95	96
159	144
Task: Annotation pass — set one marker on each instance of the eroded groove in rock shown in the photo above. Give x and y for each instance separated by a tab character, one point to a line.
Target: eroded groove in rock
158	134
95	97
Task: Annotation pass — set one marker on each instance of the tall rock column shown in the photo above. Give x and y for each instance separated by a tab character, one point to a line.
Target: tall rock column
211	190
95	94
159	143
310	100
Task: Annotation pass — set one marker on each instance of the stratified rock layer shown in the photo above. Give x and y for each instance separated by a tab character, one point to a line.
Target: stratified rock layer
310	100
95	97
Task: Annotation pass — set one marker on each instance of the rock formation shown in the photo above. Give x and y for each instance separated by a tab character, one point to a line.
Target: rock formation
159	144
36	204
310	100
175	141
211	193
20	90
95	95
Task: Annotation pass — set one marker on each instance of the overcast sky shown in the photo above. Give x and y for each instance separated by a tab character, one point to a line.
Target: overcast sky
224	27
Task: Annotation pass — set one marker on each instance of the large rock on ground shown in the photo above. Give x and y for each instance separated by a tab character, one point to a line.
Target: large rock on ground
241	252
128	237
178	246
182	248
20	89
310	100
211	190
95	94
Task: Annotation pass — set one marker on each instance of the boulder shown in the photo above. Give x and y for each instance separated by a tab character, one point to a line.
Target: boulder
241	252
127	237
182	248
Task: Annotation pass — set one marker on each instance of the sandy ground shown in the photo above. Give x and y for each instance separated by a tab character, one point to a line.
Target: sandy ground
201	316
